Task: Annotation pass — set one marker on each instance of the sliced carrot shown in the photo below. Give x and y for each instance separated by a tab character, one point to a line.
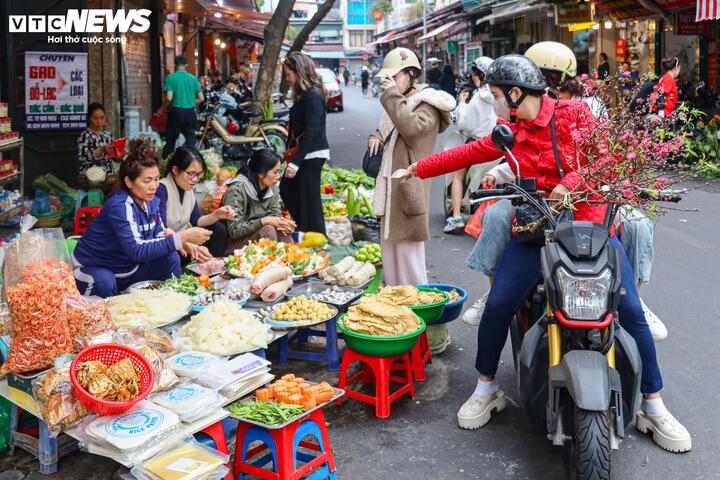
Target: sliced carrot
310	396
288	377
292	384
295	399
323	397
262	394
271	390
308	404
283	397
299	380
295	391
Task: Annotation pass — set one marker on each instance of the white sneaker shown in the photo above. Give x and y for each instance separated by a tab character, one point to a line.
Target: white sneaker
473	314
657	327
454	224
476	411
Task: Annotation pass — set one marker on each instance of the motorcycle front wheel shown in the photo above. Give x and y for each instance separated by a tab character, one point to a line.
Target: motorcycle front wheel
276	141
587	456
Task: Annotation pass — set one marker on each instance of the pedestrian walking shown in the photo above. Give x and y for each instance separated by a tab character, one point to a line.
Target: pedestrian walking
346	76
182	94
412	119
300	187
364	80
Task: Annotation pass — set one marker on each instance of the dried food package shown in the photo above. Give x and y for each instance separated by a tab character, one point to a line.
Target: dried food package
59	405
37	281
87	317
165	376
152	337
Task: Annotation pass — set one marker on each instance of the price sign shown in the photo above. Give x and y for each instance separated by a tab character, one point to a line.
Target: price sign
56	87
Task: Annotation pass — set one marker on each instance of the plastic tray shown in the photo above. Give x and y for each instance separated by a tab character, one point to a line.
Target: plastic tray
311	288
288	325
151	284
241	302
338	393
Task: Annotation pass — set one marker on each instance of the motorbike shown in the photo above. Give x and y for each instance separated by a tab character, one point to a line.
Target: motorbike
375	87
236	131
700	96
578	371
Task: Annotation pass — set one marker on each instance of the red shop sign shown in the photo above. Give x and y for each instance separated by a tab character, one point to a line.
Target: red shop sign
620	49
685	24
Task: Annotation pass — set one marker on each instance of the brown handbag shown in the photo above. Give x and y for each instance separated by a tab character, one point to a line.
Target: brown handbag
412	193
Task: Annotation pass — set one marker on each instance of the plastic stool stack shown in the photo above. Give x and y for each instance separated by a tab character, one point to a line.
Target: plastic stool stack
83	217
378	370
280	447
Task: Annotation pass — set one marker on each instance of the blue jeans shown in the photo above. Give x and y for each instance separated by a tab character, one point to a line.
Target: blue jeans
496	227
636	235
518	274
104	283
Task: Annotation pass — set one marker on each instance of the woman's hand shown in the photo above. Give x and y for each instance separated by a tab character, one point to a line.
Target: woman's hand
226	212
488	181
559	192
387	82
196	252
195	235
463	97
290	172
283	225
412	170
373	145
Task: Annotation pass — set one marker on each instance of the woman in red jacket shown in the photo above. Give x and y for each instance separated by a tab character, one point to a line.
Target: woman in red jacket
667	86
518	89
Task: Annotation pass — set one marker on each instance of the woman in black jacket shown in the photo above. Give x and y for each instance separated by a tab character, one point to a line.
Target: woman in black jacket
300	188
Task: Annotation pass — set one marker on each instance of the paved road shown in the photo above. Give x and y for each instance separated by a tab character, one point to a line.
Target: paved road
421	441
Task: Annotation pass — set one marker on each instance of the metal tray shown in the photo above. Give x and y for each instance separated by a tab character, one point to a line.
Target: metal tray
338	393
311	288
288	325
241	302
194	268
147	284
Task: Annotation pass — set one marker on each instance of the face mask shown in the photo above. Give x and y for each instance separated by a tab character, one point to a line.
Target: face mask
502	110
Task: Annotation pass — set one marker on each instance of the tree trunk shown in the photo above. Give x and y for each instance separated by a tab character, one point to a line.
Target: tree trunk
304	34
274	34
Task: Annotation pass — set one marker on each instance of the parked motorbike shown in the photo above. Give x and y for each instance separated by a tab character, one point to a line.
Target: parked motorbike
700	96
578	371
236	131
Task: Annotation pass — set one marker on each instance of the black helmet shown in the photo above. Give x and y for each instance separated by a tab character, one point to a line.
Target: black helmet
515	71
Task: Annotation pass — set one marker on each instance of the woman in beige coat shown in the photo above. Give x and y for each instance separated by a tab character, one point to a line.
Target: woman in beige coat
409	126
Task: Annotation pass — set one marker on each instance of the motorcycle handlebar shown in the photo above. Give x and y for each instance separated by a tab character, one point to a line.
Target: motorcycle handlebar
491	192
673	196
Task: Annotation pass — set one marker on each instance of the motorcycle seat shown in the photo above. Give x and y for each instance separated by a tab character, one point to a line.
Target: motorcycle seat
231	139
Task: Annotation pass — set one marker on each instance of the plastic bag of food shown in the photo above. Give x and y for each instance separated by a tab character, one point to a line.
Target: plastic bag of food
152	337
189	459
165	376
59	405
5	322
366	228
339	231
37	281
87	317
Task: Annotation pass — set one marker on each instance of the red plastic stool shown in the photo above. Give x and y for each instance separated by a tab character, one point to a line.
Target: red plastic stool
280	446
377	370
216	432
83	217
419	356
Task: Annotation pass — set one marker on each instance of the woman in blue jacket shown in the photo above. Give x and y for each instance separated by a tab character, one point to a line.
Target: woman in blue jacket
126	243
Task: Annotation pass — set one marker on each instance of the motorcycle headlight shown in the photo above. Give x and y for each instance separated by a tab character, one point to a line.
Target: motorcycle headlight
335	93
584	298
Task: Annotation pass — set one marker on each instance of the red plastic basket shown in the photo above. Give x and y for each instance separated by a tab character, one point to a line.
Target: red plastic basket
109	354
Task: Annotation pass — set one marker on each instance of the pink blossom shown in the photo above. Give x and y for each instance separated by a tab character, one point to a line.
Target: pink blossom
631	155
625	183
660	181
628	193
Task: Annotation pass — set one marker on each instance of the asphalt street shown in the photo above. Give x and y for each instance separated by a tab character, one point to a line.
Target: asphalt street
421	439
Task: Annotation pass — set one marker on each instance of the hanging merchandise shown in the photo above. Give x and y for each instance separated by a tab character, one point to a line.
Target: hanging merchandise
232	53
209	49
620	49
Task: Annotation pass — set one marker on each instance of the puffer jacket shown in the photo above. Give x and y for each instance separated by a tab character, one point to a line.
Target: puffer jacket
533	150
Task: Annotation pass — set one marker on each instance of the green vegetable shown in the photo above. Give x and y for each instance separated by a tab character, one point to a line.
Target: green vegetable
185	283
268	413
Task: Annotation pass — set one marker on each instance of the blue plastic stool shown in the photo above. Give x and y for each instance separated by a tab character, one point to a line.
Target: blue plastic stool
311	428
331	355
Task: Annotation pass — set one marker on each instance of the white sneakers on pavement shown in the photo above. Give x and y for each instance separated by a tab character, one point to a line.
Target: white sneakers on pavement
657	327
476	411
454	224
666	431
473	314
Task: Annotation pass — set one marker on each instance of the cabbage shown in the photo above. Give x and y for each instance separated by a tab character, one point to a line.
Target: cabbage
95	174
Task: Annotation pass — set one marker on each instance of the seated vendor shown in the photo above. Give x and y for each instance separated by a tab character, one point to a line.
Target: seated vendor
178	208
126	243
254	196
94	144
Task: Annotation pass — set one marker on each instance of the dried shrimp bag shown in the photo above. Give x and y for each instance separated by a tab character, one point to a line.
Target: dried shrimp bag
38	280
87	317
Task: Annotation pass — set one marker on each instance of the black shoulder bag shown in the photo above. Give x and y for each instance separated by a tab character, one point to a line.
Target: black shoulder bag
371	163
526	214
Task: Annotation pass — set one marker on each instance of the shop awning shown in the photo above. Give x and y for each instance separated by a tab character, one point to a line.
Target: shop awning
381	39
623	10
508	10
437	31
707	10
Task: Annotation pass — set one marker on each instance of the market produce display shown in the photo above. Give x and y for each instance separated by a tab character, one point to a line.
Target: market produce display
190	461
268	413
232	295
334	209
186	284
255	257
117	383
341	178
164	375
380	316
211	267
336	295
223	328
87	318
454	295
148	308
152	337
409	296
348	271
303	311
370	253
58	403
313	240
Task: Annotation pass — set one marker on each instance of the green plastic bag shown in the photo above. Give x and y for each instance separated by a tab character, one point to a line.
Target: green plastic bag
5	433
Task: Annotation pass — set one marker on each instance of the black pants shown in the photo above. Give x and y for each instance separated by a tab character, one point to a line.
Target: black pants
180	120
301	196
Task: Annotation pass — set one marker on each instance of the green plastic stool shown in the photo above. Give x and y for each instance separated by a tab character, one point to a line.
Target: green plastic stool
71	243
373	286
95	198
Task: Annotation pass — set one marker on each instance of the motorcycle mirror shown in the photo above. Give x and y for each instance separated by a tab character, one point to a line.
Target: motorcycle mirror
503	137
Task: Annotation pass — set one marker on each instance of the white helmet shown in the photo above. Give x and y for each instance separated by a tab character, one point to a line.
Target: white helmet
480	65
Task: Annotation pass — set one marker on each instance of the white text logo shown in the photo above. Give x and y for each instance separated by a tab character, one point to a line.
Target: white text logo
83	21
